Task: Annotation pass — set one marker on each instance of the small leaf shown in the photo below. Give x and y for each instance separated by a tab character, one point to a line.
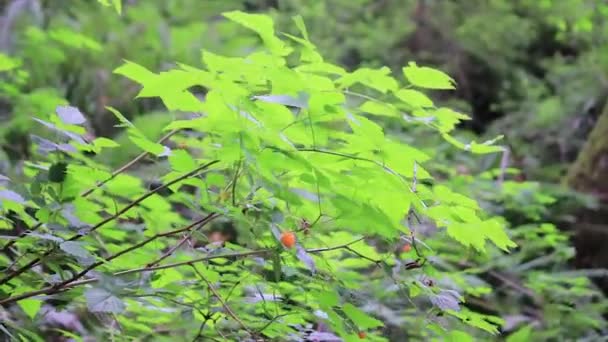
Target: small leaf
425	77
100	300
414	98
57	172
30	306
4	178
70	115
11	196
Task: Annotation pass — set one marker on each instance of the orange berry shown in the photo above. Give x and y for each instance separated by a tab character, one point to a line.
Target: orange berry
406	248
288	239
362	334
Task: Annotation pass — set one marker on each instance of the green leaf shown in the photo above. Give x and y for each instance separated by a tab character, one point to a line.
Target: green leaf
414	98
360	318
181	161
135	72
30	306
425	77
8	63
521	335
263	25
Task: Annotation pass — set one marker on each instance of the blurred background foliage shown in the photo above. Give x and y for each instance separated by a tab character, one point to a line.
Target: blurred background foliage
533	70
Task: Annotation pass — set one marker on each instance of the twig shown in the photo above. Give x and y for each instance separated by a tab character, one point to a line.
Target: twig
52	289
219	298
82	273
90	190
35	261
126	166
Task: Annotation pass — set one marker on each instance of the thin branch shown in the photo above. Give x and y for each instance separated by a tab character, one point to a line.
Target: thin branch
219	298
35	261
53	290
82	273
126	166
92	189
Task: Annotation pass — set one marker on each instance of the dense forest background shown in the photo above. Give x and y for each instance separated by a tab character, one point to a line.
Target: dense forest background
533	71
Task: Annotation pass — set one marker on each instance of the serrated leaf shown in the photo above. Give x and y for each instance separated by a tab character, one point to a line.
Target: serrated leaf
70	115
263	25
426	77
100	300
135	72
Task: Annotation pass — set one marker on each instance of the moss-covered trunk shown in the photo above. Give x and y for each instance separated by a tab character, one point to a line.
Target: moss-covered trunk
589	174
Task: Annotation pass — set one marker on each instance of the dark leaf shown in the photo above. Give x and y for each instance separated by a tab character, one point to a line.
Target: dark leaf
70	115
57	172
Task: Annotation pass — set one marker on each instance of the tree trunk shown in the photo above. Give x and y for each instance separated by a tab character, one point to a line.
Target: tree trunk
589	174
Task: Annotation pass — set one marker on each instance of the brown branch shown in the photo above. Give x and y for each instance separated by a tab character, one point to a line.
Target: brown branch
90	191
82	273
53	290
126	166
35	261
219	298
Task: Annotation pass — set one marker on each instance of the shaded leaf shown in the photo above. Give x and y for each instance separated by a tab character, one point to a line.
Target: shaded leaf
75	248
100	300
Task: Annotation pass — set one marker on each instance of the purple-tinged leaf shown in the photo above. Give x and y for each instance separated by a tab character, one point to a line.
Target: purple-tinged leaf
70	115
11	196
4	178
305	258
446	300
45	146
166	152
46	237
318	336
70	135
300	102
276	232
